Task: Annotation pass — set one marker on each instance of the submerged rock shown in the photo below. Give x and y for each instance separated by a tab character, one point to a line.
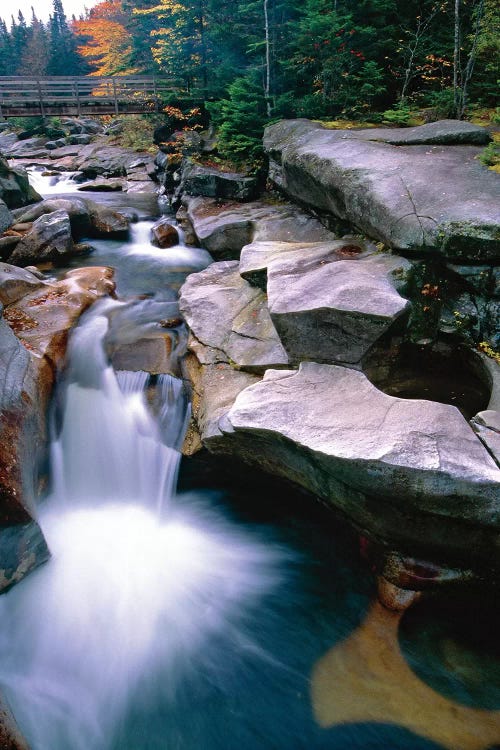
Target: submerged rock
102	185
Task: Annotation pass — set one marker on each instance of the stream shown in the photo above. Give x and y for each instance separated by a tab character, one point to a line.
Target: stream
189	607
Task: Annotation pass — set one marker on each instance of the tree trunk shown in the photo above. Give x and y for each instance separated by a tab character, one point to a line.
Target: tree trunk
267	84
457	98
472	57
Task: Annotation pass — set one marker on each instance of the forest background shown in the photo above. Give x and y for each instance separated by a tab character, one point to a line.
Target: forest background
248	62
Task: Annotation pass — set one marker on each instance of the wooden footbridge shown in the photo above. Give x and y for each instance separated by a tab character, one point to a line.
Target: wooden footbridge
24	96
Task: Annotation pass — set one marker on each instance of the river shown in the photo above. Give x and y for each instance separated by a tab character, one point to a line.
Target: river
190	607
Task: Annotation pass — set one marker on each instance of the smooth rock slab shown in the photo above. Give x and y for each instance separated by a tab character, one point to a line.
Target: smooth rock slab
443	133
330	310
230	319
256	257
15	282
414	197
225	229
76	209
411	472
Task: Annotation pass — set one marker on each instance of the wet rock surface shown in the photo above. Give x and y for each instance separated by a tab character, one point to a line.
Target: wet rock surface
164	234
5	217
15	190
402	470
10	735
213	183
48	239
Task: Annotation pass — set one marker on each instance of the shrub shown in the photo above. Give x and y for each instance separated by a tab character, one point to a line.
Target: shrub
400	115
241	119
490	156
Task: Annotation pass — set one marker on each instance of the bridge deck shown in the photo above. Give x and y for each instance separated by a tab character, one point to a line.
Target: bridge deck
24	96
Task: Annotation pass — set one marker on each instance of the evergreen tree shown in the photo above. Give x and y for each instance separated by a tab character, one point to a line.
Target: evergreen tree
63	57
7	59
19	38
35	57
241	118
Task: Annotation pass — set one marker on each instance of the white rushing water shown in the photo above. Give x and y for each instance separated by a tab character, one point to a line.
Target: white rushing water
50	184
139	580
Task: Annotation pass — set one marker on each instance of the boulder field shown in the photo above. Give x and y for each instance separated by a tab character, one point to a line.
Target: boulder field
282	328
86	148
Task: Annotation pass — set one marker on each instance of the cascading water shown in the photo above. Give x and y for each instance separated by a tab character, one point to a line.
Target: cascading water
136	584
158	624
53	183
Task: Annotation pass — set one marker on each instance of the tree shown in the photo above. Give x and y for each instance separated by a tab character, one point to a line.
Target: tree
413	43
462	73
106	44
241	117
64	59
35	56
19	38
7	59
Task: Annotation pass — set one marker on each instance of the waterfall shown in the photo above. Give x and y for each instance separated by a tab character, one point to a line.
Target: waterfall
139	580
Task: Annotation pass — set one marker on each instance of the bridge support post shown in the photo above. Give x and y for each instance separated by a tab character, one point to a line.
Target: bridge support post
40	95
115	97
77	95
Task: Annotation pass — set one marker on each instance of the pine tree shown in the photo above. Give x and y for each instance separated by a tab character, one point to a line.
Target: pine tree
35	56
7	59
64	59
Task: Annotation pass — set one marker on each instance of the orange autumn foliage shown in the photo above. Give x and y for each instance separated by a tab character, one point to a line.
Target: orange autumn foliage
106	43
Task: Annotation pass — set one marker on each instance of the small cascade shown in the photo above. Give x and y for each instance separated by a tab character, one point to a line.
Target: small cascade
140	235
54	183
132	382
174	411
108	425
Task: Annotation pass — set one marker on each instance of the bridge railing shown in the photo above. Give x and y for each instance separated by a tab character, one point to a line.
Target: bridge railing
84	94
